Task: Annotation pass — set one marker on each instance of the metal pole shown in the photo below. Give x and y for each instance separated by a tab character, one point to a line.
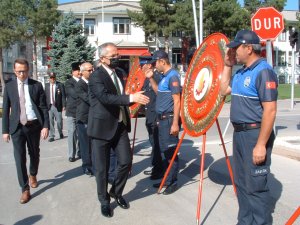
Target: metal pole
201	21
269	52
293	77
195	22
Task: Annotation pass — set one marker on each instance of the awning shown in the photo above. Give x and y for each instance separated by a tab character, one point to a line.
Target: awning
133	51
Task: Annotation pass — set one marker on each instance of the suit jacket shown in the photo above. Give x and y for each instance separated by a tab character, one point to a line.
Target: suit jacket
83	105
105	105
71	97
11	105
60	96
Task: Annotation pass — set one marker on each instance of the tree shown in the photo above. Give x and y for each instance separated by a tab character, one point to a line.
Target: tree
41	17
68	46
12	28
253	5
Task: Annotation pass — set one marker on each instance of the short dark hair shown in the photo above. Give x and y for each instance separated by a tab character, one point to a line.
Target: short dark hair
22	62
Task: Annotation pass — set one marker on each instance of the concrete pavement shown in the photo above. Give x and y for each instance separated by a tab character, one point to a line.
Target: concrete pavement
66	196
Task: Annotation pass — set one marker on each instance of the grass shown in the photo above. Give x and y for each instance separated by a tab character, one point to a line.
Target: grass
284	92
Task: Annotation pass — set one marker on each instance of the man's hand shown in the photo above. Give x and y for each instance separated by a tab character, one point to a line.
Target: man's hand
230	57
6	137
138	97
44	133
174	129
148	72
259	154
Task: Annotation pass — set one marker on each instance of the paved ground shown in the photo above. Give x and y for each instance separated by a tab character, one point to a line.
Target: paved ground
65	196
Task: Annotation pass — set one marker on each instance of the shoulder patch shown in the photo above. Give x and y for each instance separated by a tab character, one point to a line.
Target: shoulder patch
270	85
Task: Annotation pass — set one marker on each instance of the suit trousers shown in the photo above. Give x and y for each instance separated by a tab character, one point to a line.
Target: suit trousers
73	144
54	114
101	160
85	146
30	135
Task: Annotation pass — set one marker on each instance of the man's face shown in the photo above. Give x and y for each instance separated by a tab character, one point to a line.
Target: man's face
159	65
242	53
52	80
87	70
76	73
112	52
146	67
21	71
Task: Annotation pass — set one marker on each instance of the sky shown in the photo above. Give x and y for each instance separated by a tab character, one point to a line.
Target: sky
290	4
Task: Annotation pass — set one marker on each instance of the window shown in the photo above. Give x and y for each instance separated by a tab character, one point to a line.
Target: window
282	37
281	58
44	56
176	57
89	26
121	25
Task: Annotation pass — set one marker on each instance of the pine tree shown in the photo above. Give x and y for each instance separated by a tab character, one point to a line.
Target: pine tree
68	46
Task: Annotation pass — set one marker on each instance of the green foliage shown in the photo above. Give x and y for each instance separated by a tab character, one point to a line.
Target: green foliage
253	5
12	24
68	46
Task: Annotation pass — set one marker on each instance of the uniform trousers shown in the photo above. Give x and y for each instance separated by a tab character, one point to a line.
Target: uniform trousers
168	144
251	180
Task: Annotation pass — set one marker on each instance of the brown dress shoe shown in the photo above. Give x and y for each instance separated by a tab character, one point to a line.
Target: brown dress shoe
25	197
32	181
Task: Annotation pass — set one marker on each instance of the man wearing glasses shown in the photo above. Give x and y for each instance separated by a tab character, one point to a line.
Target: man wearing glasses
25	118
56	102
82	112
108	126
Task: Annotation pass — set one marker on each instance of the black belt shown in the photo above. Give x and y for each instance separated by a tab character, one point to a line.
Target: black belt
245	126
31	122
164	116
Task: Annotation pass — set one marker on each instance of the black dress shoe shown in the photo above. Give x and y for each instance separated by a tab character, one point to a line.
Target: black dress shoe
51	139
61	136
88	172
106	211
156	176
120	201
72	159
170	189
158	184
148	172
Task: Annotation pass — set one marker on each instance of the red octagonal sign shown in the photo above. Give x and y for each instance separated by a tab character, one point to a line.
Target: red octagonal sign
267	23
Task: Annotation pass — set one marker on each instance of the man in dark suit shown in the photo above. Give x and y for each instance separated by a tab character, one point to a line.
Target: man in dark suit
56	102
71	112
108	126
82	117
25	118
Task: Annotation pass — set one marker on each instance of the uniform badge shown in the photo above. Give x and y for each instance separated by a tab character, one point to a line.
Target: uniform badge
247	81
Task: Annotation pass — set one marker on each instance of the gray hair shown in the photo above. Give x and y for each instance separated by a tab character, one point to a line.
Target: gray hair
256	48
102	49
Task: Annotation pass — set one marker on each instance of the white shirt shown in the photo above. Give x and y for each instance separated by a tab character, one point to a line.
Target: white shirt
76	78
28	105
54	86
85	80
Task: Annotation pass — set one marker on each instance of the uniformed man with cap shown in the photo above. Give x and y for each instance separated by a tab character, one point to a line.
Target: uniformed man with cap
253	91
167	108
146	62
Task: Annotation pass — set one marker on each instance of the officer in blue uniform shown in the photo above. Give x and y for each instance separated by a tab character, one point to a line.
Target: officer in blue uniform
253	110
167	108
157	170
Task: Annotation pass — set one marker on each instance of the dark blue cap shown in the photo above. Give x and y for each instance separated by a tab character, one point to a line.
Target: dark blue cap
75	66
146	60
244	37
160	54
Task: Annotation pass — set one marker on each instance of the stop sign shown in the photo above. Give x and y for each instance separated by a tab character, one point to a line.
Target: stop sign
267	23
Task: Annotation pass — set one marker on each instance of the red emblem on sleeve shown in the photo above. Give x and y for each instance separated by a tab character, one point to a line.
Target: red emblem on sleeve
175	84
271	85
